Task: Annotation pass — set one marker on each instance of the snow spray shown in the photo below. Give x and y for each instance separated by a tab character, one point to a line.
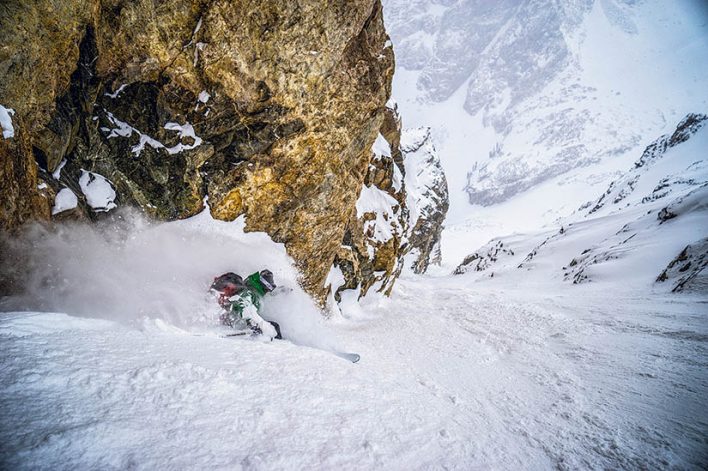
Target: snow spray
128	269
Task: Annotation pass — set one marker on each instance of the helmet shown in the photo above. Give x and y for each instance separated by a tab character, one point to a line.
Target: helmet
266	278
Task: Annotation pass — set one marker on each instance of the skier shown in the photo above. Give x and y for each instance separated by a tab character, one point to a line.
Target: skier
241	301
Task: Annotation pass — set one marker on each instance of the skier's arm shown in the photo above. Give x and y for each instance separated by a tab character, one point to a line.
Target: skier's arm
250	314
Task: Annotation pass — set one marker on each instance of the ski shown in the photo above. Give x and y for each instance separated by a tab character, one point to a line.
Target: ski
353	357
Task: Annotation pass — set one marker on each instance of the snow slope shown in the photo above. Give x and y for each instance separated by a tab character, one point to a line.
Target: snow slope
450	378
628	234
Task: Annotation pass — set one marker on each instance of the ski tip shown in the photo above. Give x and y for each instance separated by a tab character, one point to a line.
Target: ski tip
353	357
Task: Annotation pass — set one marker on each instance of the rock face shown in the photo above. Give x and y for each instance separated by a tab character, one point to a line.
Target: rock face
372	249
20	198
267	108
619	190
427	198
399	213
687	271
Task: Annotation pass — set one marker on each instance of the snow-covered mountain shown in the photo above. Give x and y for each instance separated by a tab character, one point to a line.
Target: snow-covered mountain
649	229
519	92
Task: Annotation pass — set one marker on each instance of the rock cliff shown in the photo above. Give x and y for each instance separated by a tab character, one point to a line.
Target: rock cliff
374	240
399	213
428	198
267	109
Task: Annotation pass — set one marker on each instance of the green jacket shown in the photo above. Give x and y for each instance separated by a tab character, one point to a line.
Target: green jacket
251	295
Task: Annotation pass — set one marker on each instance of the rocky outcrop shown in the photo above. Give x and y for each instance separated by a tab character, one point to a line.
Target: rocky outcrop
373	246
623	187
427	198
399	213
21	198
687	272
267	109
483	260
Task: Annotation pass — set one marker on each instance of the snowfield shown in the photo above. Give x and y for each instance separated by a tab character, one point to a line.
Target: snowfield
450	378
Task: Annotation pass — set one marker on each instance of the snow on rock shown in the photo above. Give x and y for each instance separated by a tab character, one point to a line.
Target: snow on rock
57	173
676	173
65	200
115	94
687	272
335	280
99	192
425	179
8	131
485	258
123	129
381	147
184	131
383	207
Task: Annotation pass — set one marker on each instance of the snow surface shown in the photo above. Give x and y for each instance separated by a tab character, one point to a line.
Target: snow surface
125	367
65	200
450	378
98	191
8	131
204	96
455	373
381	147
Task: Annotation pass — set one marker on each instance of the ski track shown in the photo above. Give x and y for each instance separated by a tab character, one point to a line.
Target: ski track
450	378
